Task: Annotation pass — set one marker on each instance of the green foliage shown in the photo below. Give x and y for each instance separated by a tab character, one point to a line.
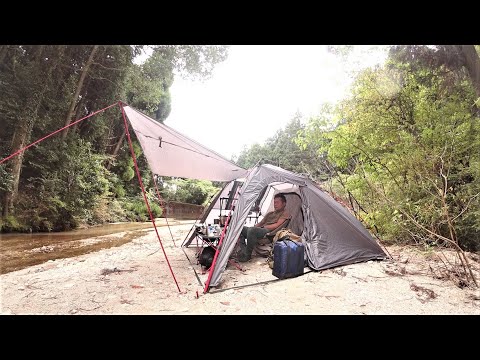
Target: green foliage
137	210
69	186
192	61
147	87
124	166
286	149
407	143
148	84
5	179
189	191
11	223
65	183
119	191
128	174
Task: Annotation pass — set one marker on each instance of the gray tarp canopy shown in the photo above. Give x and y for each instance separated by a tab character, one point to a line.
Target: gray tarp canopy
170	153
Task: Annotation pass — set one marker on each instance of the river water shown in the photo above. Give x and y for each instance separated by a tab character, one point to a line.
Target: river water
18	251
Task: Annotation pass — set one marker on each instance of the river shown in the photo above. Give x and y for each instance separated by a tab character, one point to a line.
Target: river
18	251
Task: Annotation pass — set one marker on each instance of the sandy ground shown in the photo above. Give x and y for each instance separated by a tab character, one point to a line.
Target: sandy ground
135	279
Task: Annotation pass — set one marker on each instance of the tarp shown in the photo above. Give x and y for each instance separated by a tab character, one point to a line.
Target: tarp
170	153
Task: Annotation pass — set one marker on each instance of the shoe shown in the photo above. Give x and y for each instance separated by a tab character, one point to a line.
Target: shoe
240	248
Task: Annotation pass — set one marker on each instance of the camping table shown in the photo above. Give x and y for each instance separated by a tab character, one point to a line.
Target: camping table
210	240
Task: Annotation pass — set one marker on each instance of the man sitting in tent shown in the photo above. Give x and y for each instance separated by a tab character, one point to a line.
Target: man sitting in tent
271	221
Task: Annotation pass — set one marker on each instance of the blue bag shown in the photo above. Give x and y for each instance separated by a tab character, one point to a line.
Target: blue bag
288	258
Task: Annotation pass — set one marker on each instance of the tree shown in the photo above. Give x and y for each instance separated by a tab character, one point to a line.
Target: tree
26	77
189	191
457	58
283	149
406	145
46	86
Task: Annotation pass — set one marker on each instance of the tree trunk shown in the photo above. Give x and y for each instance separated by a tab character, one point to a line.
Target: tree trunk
79	89
18	142
472	63
21	136
117	149
77	115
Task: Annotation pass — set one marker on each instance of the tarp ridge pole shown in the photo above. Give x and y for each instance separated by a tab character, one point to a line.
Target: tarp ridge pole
162	205
121	104
53	133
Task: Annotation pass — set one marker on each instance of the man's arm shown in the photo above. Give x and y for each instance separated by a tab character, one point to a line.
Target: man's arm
271	227
260	223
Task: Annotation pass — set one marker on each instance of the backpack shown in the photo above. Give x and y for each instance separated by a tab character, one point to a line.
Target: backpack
206	256
282	235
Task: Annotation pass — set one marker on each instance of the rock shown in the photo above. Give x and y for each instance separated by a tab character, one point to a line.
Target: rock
21	288
476	295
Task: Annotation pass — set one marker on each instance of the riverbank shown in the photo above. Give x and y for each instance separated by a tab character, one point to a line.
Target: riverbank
137	278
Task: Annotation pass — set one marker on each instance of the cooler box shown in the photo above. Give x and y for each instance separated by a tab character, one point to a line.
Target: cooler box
288	259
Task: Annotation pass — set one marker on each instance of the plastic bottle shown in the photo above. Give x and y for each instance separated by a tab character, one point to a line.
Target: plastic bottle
211	229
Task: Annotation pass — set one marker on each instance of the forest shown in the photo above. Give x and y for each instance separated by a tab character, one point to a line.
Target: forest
402	150
85	174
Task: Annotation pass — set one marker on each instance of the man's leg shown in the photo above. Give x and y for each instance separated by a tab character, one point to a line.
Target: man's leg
241	246
253	234
243	237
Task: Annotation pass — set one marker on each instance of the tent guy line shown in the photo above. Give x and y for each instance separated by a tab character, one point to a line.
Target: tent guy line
213	291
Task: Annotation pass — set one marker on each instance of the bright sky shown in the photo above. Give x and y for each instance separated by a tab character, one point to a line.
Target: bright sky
256	91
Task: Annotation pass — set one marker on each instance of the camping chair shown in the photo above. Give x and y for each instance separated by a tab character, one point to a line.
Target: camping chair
264	245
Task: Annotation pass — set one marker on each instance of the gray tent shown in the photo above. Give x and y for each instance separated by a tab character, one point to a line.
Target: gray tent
331	234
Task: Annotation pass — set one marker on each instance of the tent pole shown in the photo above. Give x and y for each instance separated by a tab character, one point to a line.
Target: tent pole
121	104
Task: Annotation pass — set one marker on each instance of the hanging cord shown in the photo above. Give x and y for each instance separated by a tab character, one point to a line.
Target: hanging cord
162	205
212	267
53	133
143	190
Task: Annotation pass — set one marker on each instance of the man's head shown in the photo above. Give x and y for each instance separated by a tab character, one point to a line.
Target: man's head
279	202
